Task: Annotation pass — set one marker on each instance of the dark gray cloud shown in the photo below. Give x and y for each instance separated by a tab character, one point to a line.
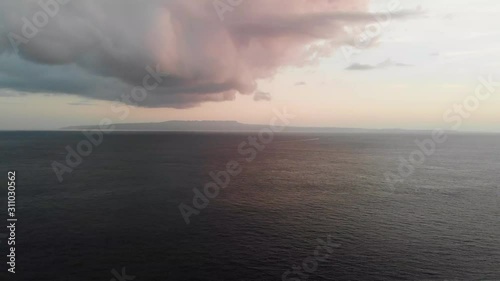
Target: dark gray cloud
100	48
262	96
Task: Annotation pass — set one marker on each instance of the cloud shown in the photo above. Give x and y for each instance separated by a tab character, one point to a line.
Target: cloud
359	66
10	93
262	96
302	83
100	49
384	64
82	103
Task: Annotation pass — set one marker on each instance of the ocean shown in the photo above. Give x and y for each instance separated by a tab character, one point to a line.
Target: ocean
301	207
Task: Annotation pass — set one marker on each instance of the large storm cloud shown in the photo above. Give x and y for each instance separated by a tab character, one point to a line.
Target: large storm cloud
211	50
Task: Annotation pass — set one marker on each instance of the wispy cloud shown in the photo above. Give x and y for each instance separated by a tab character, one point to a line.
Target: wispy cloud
384	64
82	103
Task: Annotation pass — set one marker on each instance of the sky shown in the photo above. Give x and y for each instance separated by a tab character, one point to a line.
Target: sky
333	63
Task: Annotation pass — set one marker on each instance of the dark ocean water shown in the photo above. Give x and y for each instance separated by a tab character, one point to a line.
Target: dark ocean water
120	208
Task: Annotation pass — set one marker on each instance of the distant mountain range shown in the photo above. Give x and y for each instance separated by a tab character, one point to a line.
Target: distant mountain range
218	126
